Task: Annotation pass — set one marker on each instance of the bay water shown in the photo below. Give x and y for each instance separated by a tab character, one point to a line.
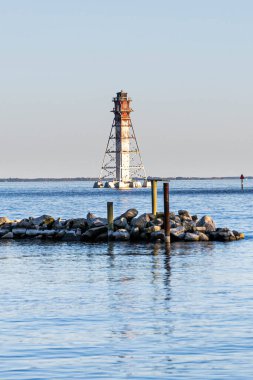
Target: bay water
124	310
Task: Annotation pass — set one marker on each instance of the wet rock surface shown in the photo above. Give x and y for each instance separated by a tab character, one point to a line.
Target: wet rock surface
127	226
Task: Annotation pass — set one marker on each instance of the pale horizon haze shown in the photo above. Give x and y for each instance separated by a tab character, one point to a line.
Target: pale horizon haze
187	65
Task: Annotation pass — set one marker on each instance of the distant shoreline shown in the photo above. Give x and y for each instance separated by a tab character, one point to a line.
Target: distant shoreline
86	179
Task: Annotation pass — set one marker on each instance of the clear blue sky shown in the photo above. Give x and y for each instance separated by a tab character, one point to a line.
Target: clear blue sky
187	65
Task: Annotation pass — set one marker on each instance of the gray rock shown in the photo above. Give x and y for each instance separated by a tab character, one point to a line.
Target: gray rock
70	235
92	233
202	236
191	237
177	231
151	229
141	221
45	220
130	214
102	237
225	235
177	234
207	221
213	235
59	224
238	235
157	235
4	220
25	223
4	230
172	216
184	213
77	223
47	233
177	219
19	231
134	233
201	229
121	234
93	221
189	225
157	222
79	232
60	234
120	222
174	224
32	232
9	235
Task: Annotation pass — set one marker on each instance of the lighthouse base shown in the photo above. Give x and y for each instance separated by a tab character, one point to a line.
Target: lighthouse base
122	185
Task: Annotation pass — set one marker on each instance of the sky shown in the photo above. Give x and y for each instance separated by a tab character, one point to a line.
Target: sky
187	65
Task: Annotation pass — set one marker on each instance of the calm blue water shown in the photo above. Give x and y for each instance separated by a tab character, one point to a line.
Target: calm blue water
127	311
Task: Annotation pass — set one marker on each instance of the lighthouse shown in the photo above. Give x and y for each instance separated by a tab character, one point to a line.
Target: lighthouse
122	166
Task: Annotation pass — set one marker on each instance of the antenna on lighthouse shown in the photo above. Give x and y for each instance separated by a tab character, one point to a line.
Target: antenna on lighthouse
122	166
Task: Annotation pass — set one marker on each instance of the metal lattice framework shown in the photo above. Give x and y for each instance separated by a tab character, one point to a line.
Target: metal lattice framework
136	167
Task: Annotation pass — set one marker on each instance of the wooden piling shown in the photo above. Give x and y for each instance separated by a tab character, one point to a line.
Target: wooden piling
166	212
110	218
154	196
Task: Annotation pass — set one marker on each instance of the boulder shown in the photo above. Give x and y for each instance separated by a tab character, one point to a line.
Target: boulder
141	221
157	222
202	236
120	222
238	235
60	234
129	214
173	224
157	235
102	237
32	232
19	231
4	230
225	235
93	221
9	235
184	213
189	225
43	220
151	229
172	215
213	235
191	237
59	224
121	234
47	233
177	234
76	223
200	229
177	219
25	223
70	235
92	233
134	233
4	219
207	221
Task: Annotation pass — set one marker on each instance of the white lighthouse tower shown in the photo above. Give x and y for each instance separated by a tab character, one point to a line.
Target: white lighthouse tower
122	166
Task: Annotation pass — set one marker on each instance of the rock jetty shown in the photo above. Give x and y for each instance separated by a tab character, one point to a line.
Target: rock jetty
128	226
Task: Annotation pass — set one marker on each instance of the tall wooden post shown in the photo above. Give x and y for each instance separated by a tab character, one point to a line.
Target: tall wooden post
166	212
154	196
110	218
